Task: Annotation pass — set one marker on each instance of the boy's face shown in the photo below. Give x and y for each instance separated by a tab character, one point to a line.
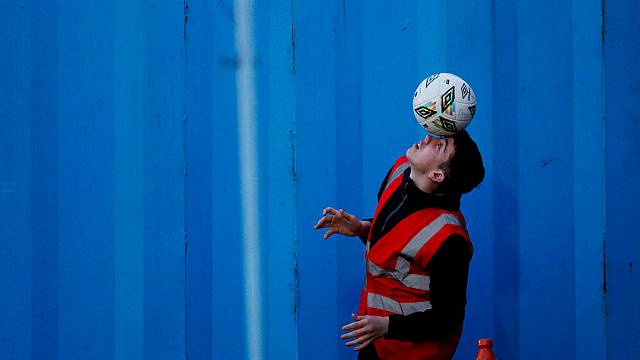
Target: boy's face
427	155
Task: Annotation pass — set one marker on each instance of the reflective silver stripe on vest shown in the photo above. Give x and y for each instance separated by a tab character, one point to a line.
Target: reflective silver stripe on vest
384	303
421	238
415	281
397	173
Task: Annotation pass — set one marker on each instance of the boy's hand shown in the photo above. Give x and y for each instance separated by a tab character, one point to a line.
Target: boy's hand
366	329
339	222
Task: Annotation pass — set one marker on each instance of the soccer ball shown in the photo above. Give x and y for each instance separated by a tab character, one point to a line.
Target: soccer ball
444	104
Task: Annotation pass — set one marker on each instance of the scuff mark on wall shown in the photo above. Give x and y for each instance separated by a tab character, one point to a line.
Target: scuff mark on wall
605	305
292	147
227	10
294	176
547	162
603	29
185	239
293	39
406	24
185	49
294	252
186	18
604	266
296	288
186	302
232	62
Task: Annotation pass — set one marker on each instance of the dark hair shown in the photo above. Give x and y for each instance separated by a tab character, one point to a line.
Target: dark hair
464	169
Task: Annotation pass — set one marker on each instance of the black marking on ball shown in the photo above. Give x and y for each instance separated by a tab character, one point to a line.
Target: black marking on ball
448	124
430	80
424	112
465	91
448	98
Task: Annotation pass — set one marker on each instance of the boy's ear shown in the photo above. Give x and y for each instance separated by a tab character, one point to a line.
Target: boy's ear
437	176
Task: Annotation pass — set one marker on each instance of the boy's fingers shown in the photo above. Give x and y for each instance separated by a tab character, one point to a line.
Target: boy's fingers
360	340
354	325
329	210
322	222
329	233
362	346
353	334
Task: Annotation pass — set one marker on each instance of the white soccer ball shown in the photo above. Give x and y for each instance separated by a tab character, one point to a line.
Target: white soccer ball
444	104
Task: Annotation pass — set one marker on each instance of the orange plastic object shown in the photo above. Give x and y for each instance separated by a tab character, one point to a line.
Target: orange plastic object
485	352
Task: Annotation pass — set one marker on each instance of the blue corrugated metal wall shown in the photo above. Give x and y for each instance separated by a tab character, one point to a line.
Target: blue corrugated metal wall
132	151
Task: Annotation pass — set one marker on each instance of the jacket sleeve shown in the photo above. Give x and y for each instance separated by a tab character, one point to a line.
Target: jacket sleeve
449	270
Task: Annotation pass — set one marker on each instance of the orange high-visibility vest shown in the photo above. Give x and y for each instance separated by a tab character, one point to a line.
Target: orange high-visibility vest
397	281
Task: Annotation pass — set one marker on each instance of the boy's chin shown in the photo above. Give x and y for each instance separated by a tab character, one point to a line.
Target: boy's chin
408	152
